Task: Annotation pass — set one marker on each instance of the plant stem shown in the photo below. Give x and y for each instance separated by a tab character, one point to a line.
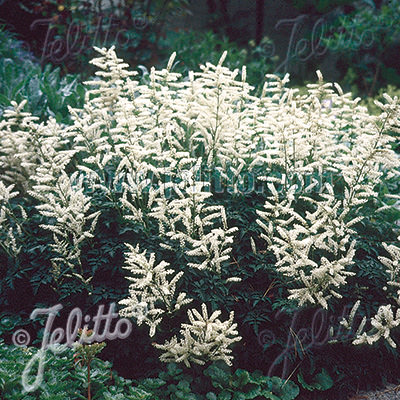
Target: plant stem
88	376
371	90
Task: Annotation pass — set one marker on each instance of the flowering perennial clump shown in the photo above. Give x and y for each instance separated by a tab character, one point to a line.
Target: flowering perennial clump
159	150
294	239
331	159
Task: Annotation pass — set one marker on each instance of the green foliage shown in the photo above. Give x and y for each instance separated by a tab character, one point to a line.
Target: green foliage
320	6
21	77
321	381
218	382
65	379
74	27
367	41
369	102
193	47
62	379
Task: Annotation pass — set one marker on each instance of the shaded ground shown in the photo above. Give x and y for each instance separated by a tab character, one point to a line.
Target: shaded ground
391	392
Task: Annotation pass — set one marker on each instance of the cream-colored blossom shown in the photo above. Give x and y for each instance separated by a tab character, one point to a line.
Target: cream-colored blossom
204	339
150	285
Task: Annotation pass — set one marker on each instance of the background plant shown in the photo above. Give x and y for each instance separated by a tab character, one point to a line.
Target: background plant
191	47
366	40
21	77
319	6
74	27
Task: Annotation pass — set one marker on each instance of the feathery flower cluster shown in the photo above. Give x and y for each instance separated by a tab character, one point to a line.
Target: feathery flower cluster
383	322
9	223
68	206
205	339
151	287
331	159
295	238
381	325
18	148
392	264
188	220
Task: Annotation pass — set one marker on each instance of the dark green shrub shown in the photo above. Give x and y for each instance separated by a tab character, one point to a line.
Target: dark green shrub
75	26
367	41
193	47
